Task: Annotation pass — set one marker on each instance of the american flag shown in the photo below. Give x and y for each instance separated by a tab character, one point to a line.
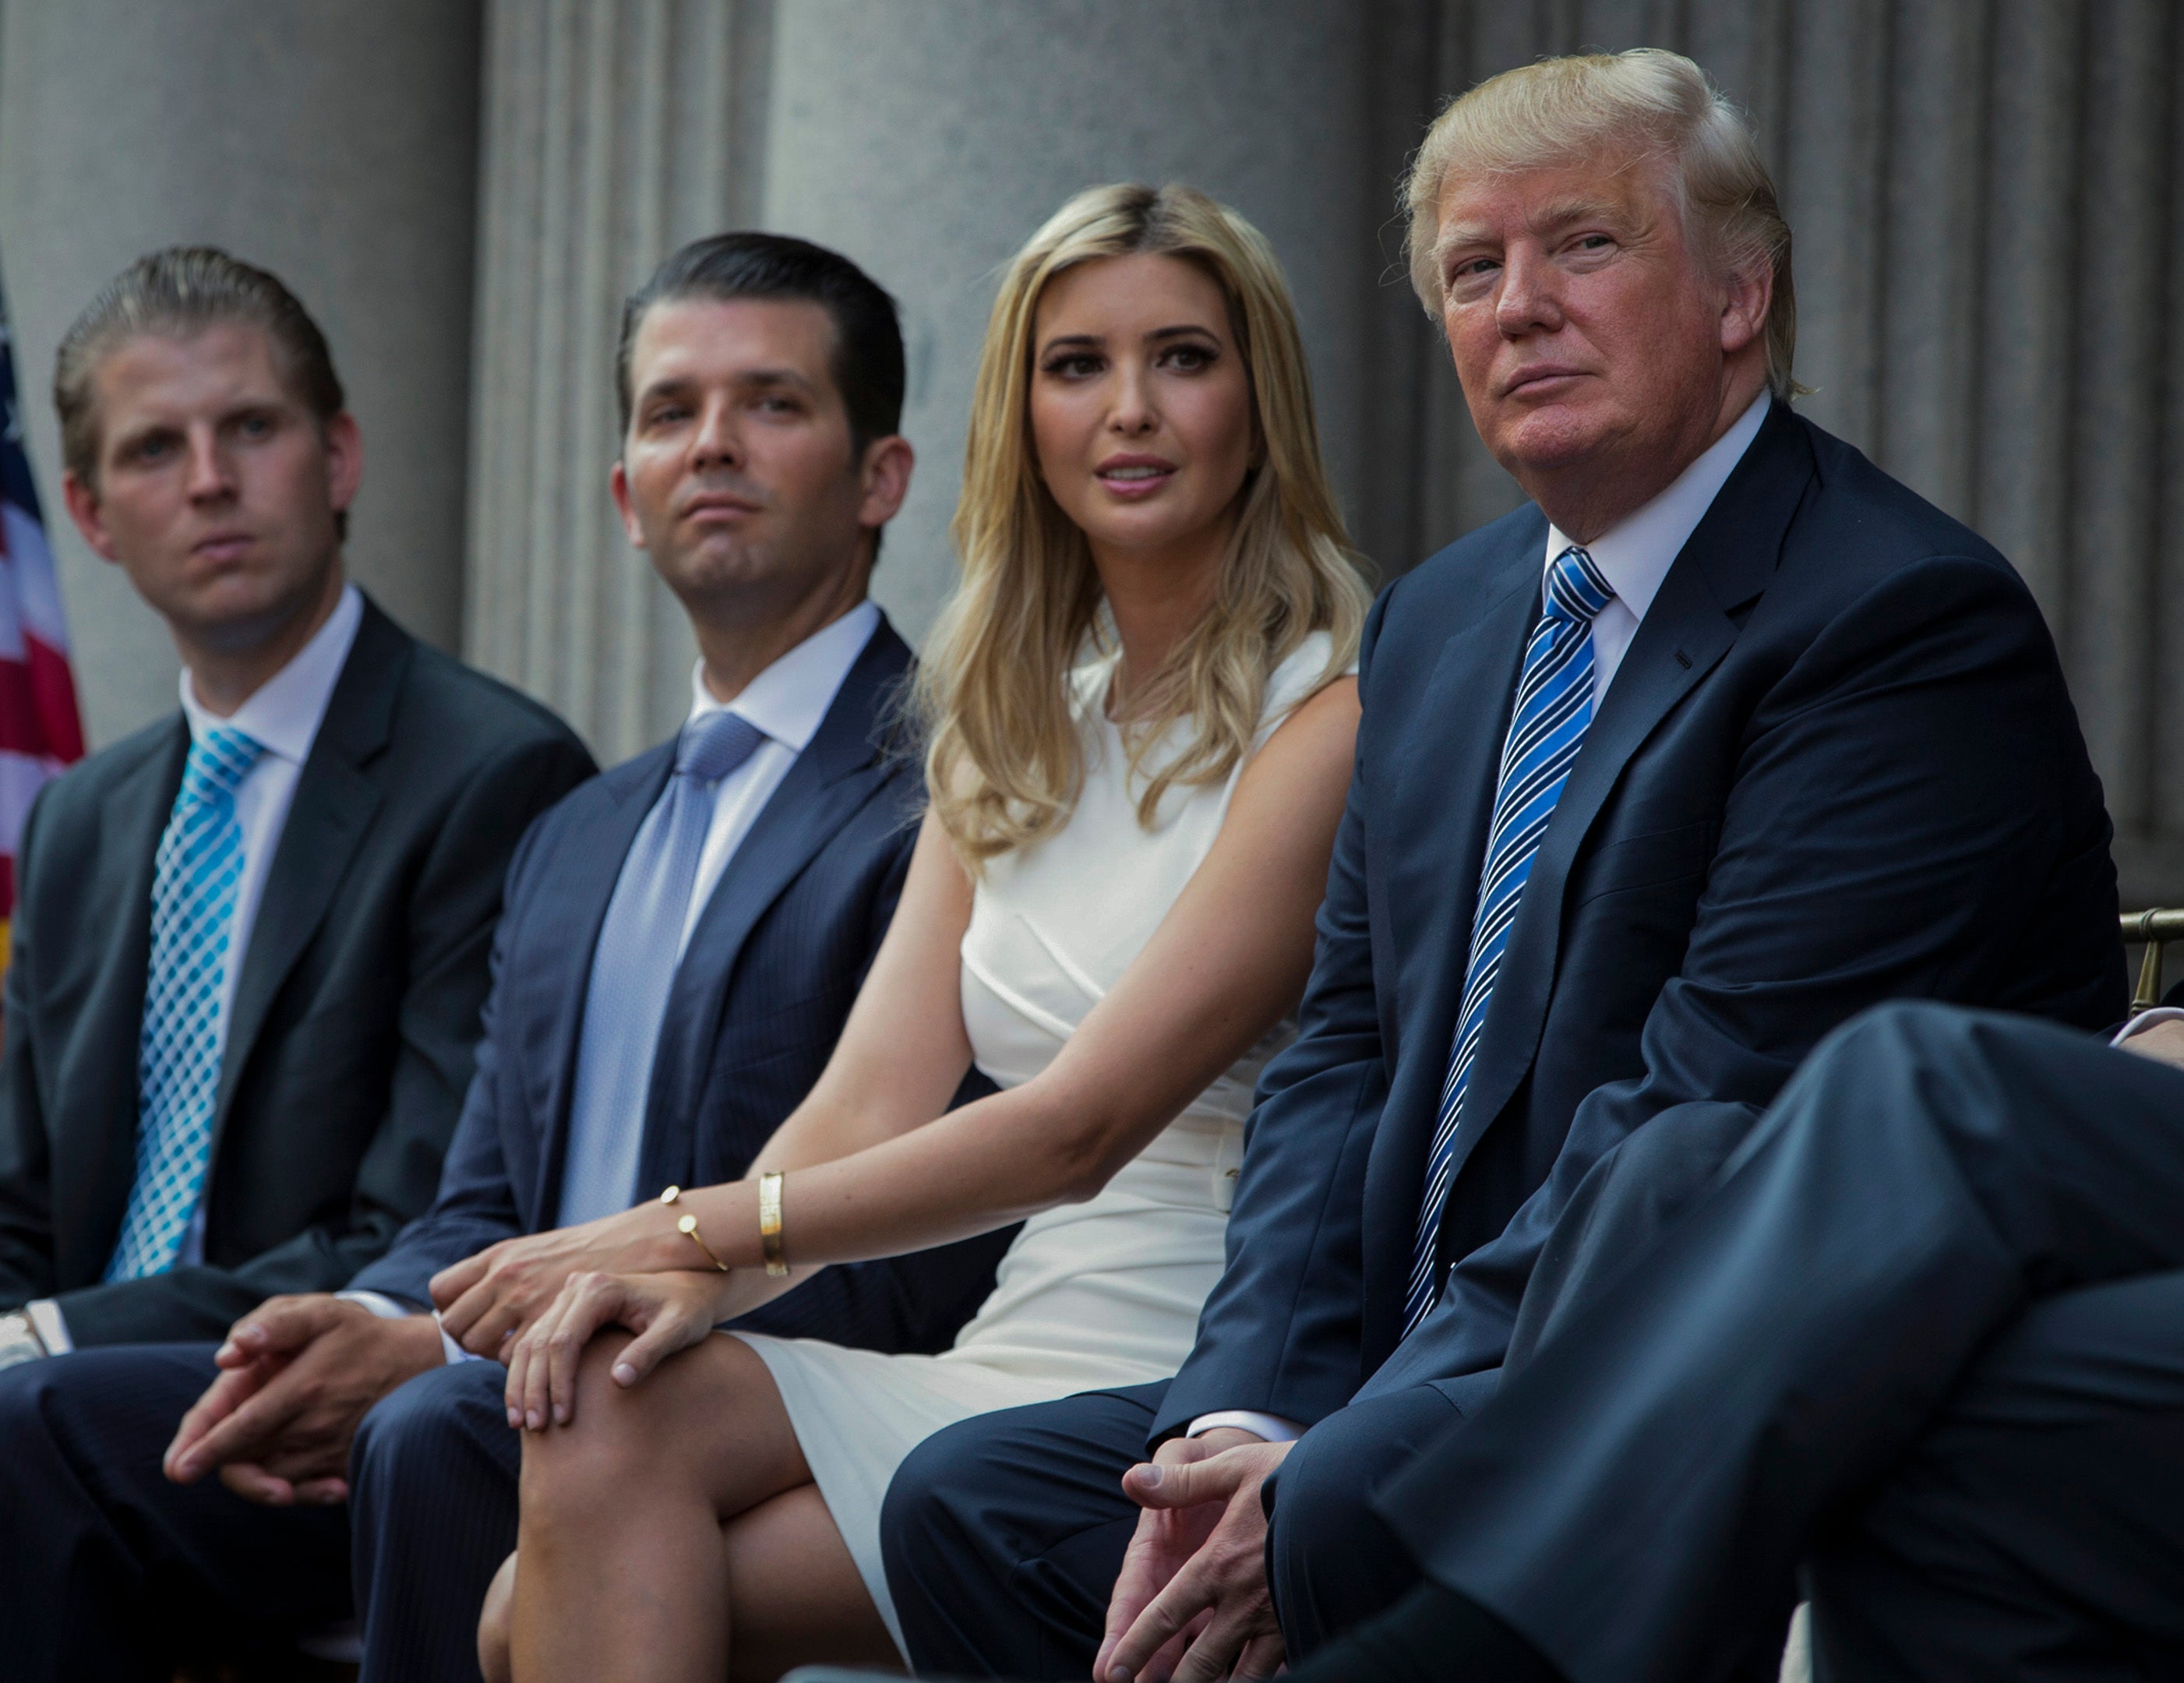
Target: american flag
41	732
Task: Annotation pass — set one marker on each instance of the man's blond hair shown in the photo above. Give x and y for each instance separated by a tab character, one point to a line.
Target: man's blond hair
1623	107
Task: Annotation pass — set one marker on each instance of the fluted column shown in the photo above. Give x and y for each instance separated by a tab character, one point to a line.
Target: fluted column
613	134
332	143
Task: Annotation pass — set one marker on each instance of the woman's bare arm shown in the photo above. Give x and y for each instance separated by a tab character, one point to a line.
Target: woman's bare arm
1226	963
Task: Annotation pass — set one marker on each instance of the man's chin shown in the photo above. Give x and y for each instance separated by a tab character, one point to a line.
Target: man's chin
1548	442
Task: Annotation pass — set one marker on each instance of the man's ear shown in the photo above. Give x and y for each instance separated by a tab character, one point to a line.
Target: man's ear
83	509
345	447
618	488
883	480
1746	300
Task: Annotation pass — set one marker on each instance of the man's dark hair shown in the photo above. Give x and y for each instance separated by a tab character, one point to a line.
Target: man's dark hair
868	365
176	293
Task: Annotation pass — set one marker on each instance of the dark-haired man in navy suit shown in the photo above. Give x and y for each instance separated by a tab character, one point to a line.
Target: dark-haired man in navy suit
682	939
1724	737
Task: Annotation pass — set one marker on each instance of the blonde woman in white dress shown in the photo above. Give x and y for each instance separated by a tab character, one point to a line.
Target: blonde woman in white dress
1140	726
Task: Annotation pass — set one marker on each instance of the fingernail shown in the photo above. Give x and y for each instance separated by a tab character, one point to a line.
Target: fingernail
1149	1473
624	1374
534	1419
561	1414
515	1419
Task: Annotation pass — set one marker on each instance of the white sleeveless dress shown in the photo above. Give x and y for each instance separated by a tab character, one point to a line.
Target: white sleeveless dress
1090	1295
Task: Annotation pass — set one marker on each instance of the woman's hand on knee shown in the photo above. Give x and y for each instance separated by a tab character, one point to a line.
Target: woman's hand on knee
667	1311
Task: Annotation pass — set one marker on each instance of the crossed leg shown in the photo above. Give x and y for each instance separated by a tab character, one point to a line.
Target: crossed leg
672	1531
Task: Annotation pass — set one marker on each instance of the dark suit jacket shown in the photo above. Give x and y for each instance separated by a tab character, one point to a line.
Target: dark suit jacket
757	1003
354	1015
1837	765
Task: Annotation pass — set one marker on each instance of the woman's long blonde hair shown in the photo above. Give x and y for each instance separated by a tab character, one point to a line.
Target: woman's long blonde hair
1003	763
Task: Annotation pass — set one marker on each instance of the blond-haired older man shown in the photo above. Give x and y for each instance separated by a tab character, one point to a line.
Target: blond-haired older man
1725	738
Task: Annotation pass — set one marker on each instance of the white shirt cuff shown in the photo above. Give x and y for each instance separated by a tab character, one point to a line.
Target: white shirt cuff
2148	1019
46	1321
1271	1427
388	1310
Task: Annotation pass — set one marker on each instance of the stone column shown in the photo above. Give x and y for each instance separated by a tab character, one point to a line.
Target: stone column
613	134
336	145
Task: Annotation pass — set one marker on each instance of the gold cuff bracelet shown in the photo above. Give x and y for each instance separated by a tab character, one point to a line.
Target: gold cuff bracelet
769	1224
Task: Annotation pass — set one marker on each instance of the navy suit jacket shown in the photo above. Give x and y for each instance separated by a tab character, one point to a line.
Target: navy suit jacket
1837	765
758	1001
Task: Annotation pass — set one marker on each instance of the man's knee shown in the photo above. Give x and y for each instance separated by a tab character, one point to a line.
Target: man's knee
406	1439
1002	1534
1332	1561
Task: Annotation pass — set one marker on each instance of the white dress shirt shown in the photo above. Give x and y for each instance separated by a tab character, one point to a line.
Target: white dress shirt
1634	556
282	715
787	701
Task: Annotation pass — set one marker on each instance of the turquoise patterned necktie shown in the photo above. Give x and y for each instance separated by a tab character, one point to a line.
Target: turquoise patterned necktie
198	865
1546	728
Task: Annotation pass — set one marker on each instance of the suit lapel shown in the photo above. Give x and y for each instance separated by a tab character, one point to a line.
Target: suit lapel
572	902
94	1145
334	803
1728	560
831	780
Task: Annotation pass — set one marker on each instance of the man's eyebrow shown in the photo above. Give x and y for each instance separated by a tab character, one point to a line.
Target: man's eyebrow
679	385
1556	214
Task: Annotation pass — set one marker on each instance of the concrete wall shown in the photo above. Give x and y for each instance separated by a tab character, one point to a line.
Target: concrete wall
335	144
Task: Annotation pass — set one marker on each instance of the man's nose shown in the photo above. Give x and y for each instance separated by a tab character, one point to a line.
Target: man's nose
718	442
211	474
1530	299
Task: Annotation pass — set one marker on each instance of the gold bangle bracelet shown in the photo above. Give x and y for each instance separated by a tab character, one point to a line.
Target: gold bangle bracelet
769	1224
688	1226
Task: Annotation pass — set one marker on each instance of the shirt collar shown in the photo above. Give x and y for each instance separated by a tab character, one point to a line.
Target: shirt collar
790	697
283	713
1634	554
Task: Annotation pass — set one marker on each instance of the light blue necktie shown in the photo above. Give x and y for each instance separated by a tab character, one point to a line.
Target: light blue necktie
1546	728
196	869
634	966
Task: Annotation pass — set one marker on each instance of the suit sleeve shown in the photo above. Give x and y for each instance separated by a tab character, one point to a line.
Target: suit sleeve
26	1232
913	1304
452	913
1902	797
1280	1334
476	1205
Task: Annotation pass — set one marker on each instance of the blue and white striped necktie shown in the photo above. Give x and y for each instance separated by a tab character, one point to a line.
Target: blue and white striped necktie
1546	728
196	871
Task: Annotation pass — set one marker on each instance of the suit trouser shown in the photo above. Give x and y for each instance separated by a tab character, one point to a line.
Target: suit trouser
1003	1534
103	1562
1923	1332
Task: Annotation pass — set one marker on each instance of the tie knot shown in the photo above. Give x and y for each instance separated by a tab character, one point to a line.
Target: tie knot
1577	590
713	746
219	761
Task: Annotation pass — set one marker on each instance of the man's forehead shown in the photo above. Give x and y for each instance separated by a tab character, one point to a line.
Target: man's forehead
221	360
1623	187
713	338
